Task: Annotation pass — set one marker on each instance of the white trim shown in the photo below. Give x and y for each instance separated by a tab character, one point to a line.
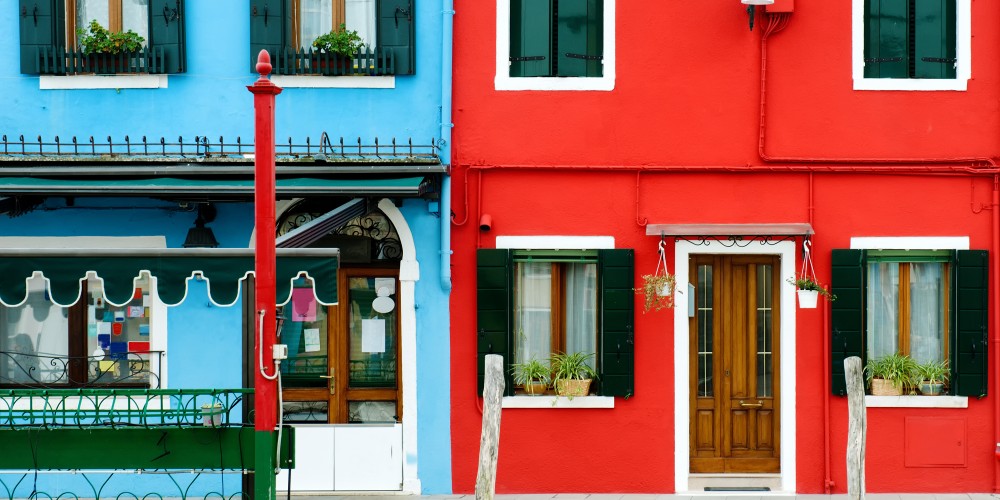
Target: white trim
557	402
81	82
916	401
334	82
785	250
910	243
503	80
556	242
963	42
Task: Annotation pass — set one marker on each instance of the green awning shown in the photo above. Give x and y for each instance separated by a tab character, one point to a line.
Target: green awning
297	186
223	268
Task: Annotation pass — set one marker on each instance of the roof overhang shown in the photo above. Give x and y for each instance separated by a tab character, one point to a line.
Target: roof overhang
200	186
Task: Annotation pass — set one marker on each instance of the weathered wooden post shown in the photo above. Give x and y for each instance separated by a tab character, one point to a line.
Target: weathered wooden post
489	444
856	428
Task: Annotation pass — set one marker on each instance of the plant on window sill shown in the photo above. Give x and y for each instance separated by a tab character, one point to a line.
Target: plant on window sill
571	374
932	376
342	41
892	375
533	375
99	40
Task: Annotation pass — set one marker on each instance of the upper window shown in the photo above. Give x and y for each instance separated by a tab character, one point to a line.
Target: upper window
555	45
911	44
930	305
52	42
384	43
534	304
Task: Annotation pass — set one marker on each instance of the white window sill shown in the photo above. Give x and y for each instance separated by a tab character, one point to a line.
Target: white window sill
605	83
550	402
334	82
917	401
80	82
959	84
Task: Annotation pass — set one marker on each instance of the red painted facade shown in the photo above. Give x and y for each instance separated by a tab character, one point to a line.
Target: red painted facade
680	139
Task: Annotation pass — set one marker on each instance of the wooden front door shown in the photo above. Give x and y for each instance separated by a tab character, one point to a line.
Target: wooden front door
343	360
734	364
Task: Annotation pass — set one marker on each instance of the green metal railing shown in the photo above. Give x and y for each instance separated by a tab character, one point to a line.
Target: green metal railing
55	60
366	61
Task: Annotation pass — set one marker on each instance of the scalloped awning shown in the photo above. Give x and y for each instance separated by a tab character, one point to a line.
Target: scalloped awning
223	269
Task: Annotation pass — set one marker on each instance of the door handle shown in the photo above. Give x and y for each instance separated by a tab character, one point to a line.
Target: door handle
332	382
758	404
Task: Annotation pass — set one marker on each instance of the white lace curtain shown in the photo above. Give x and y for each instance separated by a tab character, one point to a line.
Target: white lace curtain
926	310
533	303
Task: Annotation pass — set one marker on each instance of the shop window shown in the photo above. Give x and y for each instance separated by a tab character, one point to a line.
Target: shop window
533	304
930	305
51	45
89	344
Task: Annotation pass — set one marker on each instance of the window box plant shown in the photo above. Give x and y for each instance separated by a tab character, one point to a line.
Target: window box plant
104	49
335	50
891	375
571	374
533	375
931	377
809	291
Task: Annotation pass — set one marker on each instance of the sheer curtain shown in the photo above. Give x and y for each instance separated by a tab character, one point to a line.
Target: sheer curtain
315	19
883	309
581	309
533	321
92	10
36	327
135	17
926	307
360	16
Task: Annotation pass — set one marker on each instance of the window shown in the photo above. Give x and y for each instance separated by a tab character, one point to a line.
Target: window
911	44
555	45
930	305
535	303
287	28
91	343
49	41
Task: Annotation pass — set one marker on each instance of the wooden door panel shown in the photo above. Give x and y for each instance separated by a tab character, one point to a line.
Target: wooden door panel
704	424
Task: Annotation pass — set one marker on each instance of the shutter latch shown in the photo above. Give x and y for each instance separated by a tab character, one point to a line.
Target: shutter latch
34	13
171	14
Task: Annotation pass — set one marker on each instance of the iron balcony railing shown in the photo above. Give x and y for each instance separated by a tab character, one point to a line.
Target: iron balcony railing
28	369
366	61
55	60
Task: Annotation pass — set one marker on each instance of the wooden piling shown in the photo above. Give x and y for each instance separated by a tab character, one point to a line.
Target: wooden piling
489	443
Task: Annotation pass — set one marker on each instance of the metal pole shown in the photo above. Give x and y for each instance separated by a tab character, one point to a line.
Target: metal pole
265	402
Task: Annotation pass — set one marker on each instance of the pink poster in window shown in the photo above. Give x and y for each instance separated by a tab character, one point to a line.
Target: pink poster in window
303	305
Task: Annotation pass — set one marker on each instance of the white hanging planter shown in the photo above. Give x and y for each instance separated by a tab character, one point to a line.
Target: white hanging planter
666	289
807	298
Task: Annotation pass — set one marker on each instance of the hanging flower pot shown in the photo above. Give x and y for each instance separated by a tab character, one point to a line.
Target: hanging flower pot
807	298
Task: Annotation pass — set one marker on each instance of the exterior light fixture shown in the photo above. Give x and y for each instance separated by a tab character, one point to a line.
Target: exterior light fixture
200	236
751	5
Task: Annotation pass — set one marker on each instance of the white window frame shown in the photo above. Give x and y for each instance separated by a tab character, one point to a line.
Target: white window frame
963	51
504	81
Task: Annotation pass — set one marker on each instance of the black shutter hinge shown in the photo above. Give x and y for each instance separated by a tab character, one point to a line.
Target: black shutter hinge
34	13
527	58
939	59
405	12
584	56
629	335
253	13
883	59
171	14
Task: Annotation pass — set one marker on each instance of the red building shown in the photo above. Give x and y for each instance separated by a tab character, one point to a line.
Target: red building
591	133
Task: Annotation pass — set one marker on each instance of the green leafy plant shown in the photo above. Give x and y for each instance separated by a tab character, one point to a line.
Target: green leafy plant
899	369
531	371
808	283
99	40
653	286
934	372
572	366
339	41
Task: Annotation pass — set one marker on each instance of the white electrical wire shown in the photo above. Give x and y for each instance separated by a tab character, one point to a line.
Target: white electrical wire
260	349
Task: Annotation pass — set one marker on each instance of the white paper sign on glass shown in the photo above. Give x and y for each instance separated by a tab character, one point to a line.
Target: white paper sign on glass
311	339
373	335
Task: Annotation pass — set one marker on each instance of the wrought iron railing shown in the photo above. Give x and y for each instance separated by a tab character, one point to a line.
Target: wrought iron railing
55	60
20	369
119	408
366	61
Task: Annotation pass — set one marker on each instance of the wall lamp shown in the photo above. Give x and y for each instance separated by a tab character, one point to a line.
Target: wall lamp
200	236
751	7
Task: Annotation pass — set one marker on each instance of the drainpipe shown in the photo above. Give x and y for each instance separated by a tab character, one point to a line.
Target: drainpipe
996	325
447	37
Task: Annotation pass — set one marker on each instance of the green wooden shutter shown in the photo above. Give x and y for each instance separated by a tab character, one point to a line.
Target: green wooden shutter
530	38
395	33
42	29
494	289
617	302
579	37
934	39
887	44
969	353
166	33
268	30
847	316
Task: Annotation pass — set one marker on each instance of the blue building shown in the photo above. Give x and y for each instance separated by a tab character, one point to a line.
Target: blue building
136	160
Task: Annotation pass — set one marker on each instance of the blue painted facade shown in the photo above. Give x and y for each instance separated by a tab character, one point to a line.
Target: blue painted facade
210	99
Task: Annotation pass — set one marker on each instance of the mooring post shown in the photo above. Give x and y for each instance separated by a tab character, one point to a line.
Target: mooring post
856	428
489	444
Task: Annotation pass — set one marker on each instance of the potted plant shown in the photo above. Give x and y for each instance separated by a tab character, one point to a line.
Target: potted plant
931	377
336	48
658	291
98	44
809	291
891	375
571	374
533	375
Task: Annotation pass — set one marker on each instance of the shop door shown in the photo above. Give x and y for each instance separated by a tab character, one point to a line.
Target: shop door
734	365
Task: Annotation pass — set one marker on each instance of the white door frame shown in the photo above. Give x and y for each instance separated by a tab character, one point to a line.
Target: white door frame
785	250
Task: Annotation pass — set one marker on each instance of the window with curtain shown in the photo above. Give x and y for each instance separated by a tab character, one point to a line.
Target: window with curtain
907	307
115	15
317	17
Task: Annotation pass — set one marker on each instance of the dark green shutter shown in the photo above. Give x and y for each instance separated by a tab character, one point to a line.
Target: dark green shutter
42	29
395	33
617	302
268	30
494	292
847	313
530	38
934	39
166	33
969	354
579	37
887	34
